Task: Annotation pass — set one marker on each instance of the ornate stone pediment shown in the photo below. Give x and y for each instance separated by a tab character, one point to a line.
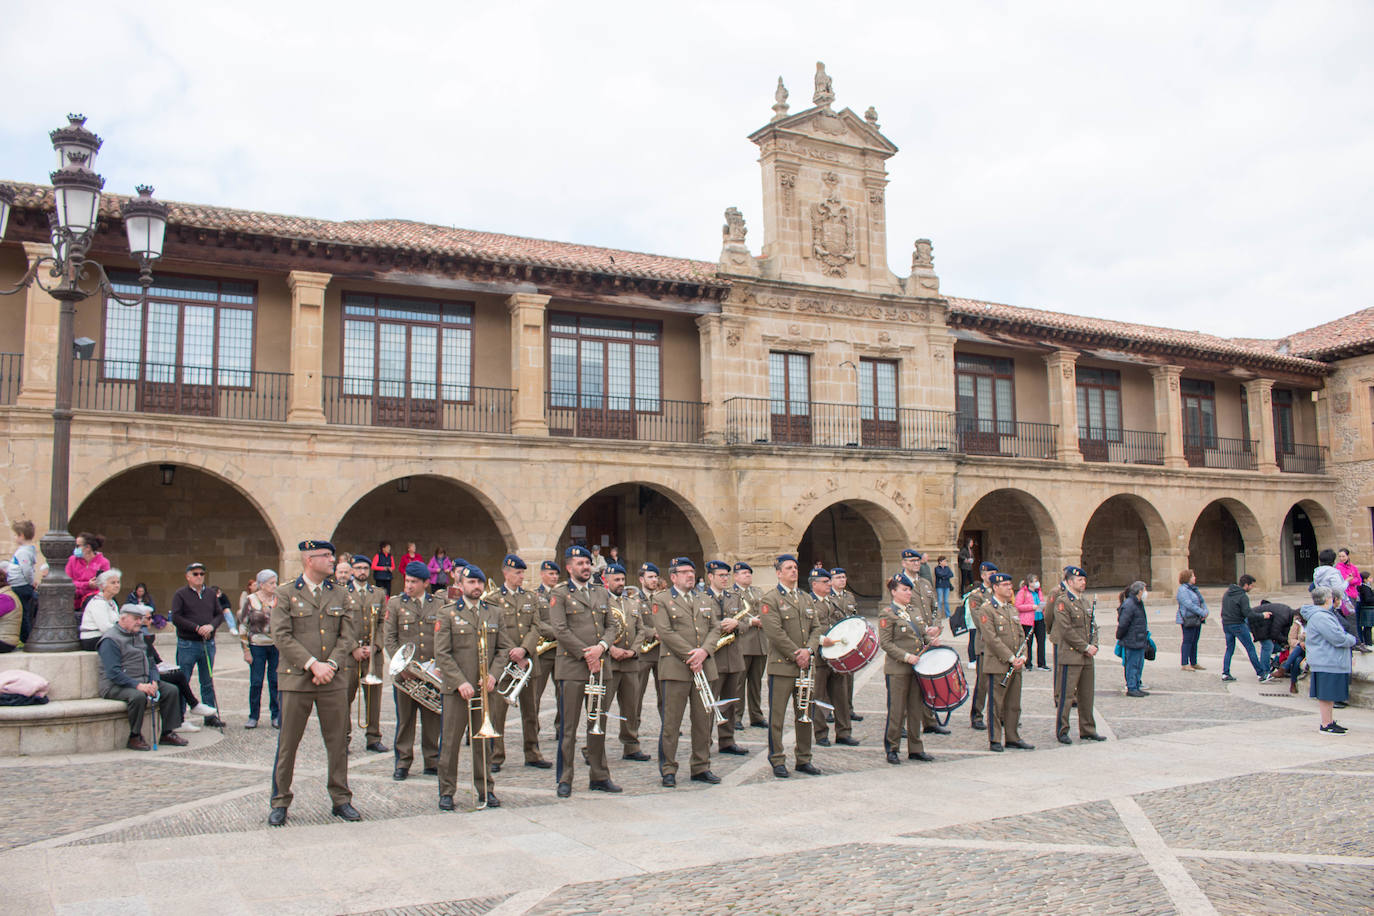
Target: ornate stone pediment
820	123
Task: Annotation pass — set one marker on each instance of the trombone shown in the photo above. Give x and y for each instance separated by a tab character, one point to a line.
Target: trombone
480	701
369	679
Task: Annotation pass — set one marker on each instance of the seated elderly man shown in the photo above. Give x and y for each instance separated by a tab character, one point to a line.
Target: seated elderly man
127	673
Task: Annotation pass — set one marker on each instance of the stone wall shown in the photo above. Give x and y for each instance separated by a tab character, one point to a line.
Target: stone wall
1009	535
840	536
1212	549
1116	546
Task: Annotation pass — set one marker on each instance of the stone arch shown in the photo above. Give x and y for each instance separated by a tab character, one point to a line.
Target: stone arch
661	483
1221	537
858	534
1000	532
1120	540
1306	528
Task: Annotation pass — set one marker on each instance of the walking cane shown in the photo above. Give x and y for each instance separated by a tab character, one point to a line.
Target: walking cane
157	725
210	668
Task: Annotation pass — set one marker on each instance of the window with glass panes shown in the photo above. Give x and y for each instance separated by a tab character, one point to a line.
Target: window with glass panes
192	330
789	383
398	347
1199	413
598	363
878	389
1283	420
1099	404
985	393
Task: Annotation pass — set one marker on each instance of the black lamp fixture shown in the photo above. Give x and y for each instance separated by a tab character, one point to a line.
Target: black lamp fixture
70	277
403	485
83	348
169	473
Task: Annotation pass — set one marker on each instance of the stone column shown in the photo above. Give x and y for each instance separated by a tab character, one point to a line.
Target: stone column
1259	395
306	404
1165	565
1063	394
1169	413
527	375
711	332
38	387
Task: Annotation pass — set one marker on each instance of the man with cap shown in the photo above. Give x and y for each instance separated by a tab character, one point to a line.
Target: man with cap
729	659
127	673
789	622
1000	638
1074	634
579	610
544	665
622	681
469	635
911	563
753	646
521	616
366	602
313	632
831	686
973	605
902	637
848	603
688	626
649	585
197	616
411	619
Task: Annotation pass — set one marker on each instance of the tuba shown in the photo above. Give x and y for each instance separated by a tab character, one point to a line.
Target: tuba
422	683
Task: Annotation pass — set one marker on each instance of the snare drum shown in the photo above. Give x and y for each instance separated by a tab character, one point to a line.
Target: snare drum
855	645
941	678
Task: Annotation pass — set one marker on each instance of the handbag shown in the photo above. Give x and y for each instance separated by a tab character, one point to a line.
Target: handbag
1151	650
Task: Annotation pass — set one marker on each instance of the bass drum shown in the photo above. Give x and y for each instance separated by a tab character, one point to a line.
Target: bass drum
940	676
855	645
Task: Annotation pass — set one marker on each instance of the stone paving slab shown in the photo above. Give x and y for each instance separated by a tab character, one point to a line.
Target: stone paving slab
473	906
1247	888
1095	823
1362	762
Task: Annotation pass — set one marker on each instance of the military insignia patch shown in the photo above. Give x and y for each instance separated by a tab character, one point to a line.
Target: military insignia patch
882	624
983	618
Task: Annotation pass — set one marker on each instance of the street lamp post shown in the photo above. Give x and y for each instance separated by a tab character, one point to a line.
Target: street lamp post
73	224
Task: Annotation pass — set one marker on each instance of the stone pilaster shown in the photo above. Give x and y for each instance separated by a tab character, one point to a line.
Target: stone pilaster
1165	565
1259	401
527	375
307	346
1169	413
711	329
1063	397
39	385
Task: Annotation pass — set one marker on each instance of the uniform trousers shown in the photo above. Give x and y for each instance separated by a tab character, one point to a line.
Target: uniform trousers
529	719
330	703
676	697
754	666
1004	707
624	689
904	708
571	695
463	718
979	683
430	725
729	686
832	688
781	688
372	698
1074	682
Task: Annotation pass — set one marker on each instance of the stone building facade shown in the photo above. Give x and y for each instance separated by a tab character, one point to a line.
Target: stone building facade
384	379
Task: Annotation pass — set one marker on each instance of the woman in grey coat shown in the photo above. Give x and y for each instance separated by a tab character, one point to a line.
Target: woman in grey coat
1328	657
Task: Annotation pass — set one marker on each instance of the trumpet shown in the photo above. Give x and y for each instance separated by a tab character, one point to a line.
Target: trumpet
513	680
596	700
708	697
806	686
648	646
481	701
731	637
544	645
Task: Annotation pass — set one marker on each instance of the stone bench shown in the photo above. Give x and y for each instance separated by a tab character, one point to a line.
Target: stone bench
63	727
1362	681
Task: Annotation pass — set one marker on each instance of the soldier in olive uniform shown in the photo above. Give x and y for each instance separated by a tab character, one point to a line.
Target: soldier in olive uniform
1075	645
469	634
789	622
521	615
687	623
314	633
622	682
902	637
368	602
832	687
411	618
753	646
649	585
1000	637
974	603
543	672
579	610
925	609
729	658
848	603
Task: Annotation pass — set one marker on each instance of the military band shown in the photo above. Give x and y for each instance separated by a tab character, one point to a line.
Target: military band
647	658
622	684
973	608
1002	658
848	603
789	622
411	619
832	687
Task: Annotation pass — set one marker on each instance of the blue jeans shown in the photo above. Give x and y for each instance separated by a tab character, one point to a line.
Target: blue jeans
1135	667
264	660
197	653
1266	653
1294	663
1190	637
1239	632
943	595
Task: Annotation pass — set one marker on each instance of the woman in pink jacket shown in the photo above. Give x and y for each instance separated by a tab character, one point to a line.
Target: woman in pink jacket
1351	574
83	567
1030	607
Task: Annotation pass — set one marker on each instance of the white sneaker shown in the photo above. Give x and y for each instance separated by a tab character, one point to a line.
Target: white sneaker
188	726
200	709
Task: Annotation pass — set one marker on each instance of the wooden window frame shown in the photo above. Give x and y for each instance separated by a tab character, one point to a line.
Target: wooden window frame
438	324
633	341
1200	395
1084	381
985	366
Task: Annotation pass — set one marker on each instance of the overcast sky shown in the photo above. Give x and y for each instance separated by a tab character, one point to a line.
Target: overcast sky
1199	165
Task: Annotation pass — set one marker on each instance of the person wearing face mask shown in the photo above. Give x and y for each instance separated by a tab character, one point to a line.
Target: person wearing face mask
1133	632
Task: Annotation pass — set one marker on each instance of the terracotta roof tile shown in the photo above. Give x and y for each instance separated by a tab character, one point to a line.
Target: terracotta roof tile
1349	335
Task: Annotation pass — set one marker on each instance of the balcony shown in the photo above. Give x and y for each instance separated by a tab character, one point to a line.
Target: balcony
1219	452
616	417
1007	439
1304	459
129	386
11	365
761	421
1122	446
466	408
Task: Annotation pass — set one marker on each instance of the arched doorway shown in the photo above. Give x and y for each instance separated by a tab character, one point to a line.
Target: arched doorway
1117	542
156	519
1305	528
1010	528
860	536
645	522
430	511
1216	548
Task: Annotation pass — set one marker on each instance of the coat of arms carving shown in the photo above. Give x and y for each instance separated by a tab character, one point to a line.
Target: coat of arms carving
832	230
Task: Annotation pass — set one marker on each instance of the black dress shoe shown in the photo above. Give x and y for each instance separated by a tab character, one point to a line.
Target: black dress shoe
1065	739
758	723
995	746
921	756
1093	737
855	717
1021	745
346	811
979	726
604	785
734	749
893	759
847	741
823	742
637	755
780	771
431	771
492	800
810	769
214	722
400	774
564	789
938	729
378	747
669	780
445	802
496	767
538	764
706	776
276	817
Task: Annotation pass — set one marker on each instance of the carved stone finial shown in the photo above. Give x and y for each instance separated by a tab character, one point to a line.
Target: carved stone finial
780	101
825	89
922	256
734	229
871	116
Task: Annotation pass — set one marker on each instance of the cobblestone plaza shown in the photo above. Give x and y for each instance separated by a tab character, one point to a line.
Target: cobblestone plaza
1209	798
